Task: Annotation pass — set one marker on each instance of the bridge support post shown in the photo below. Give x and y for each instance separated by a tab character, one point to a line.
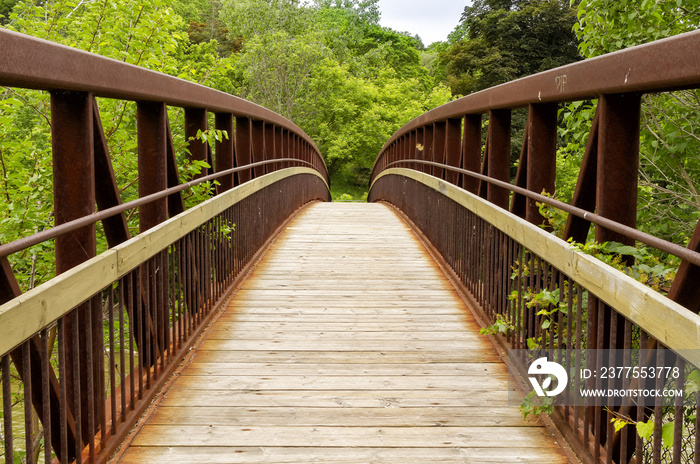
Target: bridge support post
152	150
74	197
616	199
427	147
243	143
225	152
277	150
471	151
541	155
196	120
453	149
259	148
412	148
499	155
420	148
439	129
152	134
270	152
618	163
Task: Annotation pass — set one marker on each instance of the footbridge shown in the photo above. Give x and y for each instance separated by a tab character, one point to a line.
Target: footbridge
267	324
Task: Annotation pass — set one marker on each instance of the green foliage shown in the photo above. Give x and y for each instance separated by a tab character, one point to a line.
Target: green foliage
498	41
500	326
605	26
669	142
692	382
5	9
140	32
645	429
647	267
576	119
346	184
330	67
535	405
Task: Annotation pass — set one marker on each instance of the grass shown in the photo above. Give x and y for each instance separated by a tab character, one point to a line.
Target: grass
343	189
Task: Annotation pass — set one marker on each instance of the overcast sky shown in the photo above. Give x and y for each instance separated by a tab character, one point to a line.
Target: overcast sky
432	20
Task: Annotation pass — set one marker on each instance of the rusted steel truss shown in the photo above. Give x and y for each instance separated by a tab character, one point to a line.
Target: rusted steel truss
605	195
154	313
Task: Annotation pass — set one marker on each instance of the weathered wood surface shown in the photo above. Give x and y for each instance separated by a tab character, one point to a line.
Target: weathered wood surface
346	345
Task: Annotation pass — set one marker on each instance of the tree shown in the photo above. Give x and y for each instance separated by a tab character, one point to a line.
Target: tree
142	32
669	193
605	26
251	18
5	9
277	69
205	26
330	67
501	40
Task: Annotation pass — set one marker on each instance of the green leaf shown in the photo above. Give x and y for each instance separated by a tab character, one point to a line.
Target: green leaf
619	248
692	382
645	429
667	432
619	424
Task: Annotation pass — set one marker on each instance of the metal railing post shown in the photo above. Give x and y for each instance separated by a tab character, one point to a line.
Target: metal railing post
74	197
453	148
541	155
471	151
243	147
499	155
225	150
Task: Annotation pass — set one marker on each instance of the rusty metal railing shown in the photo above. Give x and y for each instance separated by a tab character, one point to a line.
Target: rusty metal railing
82	355
434	171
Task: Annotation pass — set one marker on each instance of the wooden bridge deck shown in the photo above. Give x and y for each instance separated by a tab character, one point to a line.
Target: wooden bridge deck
347	344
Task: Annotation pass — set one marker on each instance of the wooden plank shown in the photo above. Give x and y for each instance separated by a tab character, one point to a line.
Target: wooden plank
343	307
340	455
407	437
348	417
340	345
330	369
346	357
417	319
347	382
329	326
244	333
299	305
339	398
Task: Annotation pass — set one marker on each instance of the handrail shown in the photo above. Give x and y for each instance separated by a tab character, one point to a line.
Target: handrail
502	268
29	62
48	234
663	245
145	299
40	307
654	67
651	310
